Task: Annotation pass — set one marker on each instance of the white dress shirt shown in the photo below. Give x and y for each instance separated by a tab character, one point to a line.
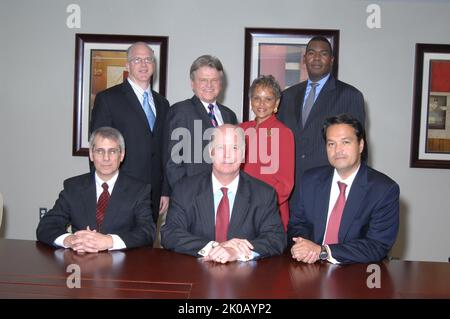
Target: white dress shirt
217	113
118	243
334	194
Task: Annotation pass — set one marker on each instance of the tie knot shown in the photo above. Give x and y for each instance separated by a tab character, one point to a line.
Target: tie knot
211	107
105	186
342	186
314	84
224	191
145	95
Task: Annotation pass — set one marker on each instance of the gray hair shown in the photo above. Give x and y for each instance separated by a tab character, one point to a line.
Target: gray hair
266	81
110	133
206	60
136	44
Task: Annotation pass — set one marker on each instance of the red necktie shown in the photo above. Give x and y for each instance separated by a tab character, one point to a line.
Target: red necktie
331	237
101	205
223	217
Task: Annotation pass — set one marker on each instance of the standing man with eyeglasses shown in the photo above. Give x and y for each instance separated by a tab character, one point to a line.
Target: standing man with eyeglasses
139	113
107	209
189	119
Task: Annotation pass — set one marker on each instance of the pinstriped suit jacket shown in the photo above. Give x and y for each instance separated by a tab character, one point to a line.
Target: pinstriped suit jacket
190	222
184	115
336	97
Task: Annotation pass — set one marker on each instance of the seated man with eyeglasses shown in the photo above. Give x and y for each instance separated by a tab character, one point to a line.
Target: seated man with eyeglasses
106	209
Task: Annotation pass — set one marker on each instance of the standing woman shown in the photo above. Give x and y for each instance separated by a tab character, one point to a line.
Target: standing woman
270	144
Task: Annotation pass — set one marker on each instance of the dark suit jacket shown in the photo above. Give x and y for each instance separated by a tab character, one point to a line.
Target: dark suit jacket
190	221
336	97
370	220
128	214
119	107
183	115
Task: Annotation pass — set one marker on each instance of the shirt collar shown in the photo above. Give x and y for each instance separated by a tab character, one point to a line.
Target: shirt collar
110	183
349	180
232	187
322	81
139	91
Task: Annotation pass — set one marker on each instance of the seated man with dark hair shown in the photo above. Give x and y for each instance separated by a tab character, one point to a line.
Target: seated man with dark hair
346	213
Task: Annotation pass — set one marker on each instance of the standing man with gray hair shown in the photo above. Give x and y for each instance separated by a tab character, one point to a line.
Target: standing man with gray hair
106	210
189	119
139	113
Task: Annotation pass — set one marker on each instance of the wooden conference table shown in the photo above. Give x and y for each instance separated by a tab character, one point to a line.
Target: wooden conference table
29	269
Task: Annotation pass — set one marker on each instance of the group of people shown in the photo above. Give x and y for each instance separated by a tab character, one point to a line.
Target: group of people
296	176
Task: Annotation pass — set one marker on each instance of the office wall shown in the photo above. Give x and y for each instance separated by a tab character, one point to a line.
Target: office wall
36	89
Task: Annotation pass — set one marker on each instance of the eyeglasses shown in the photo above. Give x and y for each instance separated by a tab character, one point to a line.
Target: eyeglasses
138	60
100	152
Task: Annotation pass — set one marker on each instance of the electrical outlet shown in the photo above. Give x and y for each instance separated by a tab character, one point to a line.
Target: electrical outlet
42	211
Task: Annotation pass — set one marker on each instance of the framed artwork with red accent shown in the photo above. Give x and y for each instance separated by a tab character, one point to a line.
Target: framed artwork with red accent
280	52
430	138
99	64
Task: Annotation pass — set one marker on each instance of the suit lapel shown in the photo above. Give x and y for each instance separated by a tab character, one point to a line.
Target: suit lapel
355	197
89	197
158	111
201	112
299	108
115	201
225	114
205	203
323	189
135	104
240	206
319	107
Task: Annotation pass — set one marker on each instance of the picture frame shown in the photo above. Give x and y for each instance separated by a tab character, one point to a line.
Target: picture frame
99	64
280	52
430	136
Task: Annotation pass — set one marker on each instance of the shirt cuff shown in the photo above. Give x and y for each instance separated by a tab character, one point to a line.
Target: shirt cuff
60	240
330	256
207	248
248	258
118	243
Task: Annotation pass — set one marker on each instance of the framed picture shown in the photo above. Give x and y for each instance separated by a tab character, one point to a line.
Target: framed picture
280	52
430	137
99	64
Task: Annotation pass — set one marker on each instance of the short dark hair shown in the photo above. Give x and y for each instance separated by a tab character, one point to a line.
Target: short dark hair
266	81
321	39
353	122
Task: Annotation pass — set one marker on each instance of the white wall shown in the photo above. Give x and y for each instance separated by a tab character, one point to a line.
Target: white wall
36	89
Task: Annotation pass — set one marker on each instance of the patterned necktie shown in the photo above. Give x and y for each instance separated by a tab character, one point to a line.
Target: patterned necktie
309	102
331	237
211	115
223	217
101	206
148	110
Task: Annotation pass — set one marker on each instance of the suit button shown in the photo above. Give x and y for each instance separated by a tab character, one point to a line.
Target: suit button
303	156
